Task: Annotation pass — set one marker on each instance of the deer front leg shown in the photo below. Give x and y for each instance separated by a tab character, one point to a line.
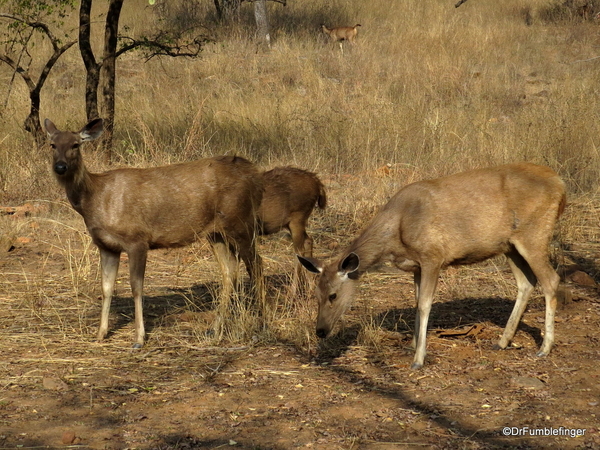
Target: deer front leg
426	289
109	263
417	281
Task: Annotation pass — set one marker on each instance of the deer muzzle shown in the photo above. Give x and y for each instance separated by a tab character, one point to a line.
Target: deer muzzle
60	167
322	332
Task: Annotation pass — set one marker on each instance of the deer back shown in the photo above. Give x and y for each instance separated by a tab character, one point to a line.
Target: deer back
470	216
172	205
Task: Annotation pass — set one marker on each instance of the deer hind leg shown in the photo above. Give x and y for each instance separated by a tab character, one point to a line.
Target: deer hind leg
109	263
254	266
137	269
537	258
245	244
526	281
228	264
427	282
303	245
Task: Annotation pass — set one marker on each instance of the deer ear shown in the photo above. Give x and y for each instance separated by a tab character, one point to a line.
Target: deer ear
92	130
349	265
311	264
50	127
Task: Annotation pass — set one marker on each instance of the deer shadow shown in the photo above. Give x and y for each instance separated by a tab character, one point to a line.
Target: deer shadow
200	297
445	315
456	313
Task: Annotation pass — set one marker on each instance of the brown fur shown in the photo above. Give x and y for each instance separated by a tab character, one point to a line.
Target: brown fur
341	33
135	210
290	195
459	219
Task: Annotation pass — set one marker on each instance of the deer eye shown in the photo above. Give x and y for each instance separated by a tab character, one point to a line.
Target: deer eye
332	297
53	146
75	146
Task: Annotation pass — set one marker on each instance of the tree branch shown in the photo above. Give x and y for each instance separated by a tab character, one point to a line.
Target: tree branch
20	70
36	25
50	63
31	85
163	45
284	2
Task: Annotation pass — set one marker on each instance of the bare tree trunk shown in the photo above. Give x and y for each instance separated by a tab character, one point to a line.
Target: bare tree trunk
92	68
219	10
102	75
262	21
32	122
108	75
229	8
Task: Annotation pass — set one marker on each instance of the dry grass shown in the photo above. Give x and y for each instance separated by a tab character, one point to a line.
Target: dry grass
428	90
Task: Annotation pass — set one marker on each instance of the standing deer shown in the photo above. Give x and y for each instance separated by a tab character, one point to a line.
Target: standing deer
289	198
459	219
135	210
340	34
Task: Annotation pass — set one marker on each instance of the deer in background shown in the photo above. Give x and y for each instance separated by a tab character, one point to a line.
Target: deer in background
135	210
582	8
289	197
340	34
459	219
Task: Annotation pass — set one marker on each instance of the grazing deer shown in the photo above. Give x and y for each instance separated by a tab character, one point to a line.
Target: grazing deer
459	219
340	34
289	197
136	210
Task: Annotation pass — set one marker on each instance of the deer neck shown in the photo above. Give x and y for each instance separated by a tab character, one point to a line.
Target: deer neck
372	245
78	187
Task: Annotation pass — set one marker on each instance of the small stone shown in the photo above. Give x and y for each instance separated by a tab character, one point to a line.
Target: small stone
54	384
68	437
529	382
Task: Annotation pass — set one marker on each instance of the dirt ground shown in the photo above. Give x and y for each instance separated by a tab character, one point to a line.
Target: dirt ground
61	389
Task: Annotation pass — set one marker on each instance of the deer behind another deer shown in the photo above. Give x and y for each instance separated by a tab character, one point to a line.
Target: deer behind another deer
289	198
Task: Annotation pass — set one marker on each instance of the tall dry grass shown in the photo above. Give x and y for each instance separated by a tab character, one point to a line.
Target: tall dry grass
428	85
428	89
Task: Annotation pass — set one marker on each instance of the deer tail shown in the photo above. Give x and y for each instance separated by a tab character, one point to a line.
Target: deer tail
562	205
322	200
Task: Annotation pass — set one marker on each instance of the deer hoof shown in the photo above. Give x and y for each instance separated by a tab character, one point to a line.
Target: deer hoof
137	345
541	354
416	366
